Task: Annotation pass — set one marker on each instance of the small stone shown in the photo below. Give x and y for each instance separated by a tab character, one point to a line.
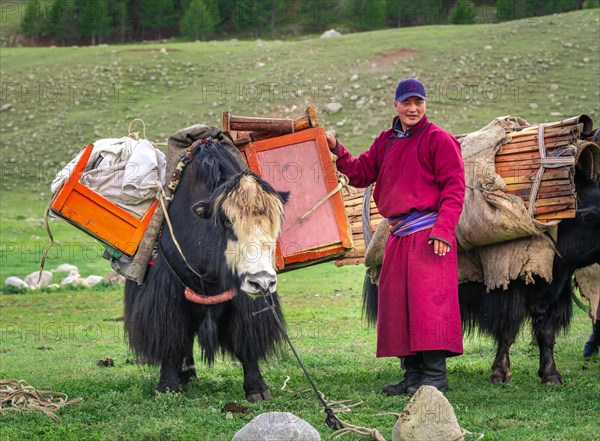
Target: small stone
259	64
488	47
333	107
354	78
533	105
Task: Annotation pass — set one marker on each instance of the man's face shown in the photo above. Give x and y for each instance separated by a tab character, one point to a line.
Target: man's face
410	111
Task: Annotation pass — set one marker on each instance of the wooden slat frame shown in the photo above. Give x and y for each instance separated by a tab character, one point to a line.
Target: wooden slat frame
308	256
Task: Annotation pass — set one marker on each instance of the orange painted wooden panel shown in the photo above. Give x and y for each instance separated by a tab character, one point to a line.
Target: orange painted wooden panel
98	216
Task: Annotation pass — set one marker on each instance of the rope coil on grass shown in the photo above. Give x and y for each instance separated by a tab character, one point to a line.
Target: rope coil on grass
16	395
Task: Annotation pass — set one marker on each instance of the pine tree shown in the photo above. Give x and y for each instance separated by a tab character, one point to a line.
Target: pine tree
200	20
63	24
462	12
121	19
94	20
32	23
158	16
374	14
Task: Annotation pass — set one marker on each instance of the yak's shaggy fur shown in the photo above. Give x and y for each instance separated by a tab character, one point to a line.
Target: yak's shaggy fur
215	204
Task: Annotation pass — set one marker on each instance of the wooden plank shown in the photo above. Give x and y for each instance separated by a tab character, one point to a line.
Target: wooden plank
569	213
549	193
355	261
552	208
558	182
549	174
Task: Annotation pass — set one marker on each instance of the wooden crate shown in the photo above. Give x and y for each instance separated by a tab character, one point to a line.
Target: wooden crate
97	216
518	163
301	164
353	203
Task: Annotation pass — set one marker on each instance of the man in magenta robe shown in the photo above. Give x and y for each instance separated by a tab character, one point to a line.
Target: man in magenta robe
420	185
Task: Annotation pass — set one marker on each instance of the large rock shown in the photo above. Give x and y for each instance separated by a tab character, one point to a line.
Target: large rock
330	33
45	280
428	416
277	426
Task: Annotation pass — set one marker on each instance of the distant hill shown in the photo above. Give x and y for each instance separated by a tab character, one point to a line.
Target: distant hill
55	100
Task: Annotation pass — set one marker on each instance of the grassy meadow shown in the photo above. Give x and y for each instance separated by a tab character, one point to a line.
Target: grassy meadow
55	100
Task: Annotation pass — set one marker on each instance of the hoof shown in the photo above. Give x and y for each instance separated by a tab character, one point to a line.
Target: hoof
555	379
263	396
164	388
500	377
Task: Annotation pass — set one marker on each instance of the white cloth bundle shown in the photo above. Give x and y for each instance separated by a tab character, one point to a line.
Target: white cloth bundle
125	171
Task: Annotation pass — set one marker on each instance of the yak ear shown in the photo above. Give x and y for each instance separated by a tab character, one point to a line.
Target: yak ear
201	209
285	196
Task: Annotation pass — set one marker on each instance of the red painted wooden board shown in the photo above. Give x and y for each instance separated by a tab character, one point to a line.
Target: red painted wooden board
300	163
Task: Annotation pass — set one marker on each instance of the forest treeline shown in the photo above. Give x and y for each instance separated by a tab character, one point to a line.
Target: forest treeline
65	22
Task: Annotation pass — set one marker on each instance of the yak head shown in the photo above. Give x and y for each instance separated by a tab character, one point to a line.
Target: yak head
588	195
248	214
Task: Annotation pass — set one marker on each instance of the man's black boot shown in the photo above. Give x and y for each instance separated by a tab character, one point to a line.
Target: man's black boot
592	346
412	376
434	372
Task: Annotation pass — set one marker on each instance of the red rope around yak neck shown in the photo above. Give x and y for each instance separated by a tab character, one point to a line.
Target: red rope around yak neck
202	299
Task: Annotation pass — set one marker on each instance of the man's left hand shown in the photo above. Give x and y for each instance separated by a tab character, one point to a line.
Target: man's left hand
439	247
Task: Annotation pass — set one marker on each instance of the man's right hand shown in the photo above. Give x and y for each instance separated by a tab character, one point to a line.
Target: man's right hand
331	141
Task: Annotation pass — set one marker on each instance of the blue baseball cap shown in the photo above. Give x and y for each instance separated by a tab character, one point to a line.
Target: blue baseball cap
410	87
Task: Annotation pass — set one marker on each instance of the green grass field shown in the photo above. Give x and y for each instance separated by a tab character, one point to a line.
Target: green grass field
55	100
54	340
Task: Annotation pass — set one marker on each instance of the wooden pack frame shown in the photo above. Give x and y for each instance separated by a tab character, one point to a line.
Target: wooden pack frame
301	164
97	216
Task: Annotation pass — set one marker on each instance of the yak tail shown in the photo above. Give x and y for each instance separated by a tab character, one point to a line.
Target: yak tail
370	302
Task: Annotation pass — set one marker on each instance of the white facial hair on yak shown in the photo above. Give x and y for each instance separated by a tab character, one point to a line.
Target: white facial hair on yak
256	217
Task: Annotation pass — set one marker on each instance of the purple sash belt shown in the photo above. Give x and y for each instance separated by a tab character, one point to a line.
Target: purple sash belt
413	222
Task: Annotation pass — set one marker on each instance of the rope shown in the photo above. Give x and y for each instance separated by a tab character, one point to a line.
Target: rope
342	184
161	198
373	434
136	135
49	244
366	216
331	420
556	160
17	395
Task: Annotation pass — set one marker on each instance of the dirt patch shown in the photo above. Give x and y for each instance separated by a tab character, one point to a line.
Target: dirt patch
161	50
386	61
234	408
106	362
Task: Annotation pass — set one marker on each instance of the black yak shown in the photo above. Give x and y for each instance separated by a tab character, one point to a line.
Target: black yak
548	306
227	222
